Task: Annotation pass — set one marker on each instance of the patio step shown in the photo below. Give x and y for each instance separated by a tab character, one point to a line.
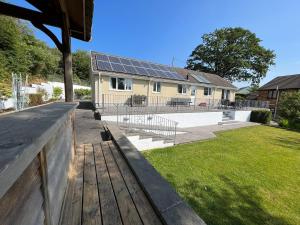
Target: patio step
147	143
229	122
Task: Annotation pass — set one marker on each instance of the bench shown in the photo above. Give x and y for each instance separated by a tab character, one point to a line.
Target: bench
180	102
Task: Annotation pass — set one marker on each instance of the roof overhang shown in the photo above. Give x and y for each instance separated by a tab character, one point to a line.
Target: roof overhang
79	14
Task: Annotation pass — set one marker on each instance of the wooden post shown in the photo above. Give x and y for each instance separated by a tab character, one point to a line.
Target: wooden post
67	60
44	178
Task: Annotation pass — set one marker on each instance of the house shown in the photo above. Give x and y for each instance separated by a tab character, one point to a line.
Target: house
246	93
277	86
129	81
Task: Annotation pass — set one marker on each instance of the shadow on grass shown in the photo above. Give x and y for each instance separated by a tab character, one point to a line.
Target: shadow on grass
288	142
231	205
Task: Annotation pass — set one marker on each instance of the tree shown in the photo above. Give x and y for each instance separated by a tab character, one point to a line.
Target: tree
81	65
234	54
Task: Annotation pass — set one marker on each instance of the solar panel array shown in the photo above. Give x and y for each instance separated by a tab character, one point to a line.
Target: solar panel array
131	66
201	78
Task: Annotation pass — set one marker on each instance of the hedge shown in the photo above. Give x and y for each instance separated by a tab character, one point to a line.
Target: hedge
261	116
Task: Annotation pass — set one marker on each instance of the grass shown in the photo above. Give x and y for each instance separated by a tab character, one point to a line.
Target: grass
244	176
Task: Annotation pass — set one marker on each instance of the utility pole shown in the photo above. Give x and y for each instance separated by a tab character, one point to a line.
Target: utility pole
277	97
173	59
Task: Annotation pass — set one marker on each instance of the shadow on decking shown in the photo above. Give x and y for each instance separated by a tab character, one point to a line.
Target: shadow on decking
234	204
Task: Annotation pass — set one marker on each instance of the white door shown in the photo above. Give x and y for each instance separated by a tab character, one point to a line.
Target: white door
193	94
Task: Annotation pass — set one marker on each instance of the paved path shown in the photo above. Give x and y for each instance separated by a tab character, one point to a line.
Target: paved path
206	132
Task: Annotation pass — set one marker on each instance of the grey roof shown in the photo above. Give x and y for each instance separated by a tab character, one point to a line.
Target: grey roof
283	82
209	78
244	91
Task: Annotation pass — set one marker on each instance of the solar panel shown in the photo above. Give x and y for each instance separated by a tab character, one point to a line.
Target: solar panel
146	65
102	57
118	67
141	71
113	59
201	78
154	66
136	63
103	65
130	69
123	65
126	61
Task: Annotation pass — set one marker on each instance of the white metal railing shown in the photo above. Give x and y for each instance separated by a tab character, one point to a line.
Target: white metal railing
136	118
161	104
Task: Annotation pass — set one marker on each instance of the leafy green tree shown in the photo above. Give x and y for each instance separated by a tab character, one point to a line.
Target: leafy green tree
234	54
81	64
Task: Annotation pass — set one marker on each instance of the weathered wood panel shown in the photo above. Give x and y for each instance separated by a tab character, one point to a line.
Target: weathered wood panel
127	208
109	206
34	174
91	214
24	195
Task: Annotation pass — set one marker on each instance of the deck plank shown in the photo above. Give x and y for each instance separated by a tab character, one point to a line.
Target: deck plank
91	209
143	205
109	206
126	205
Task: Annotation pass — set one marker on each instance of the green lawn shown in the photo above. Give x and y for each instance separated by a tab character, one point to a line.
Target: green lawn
244	176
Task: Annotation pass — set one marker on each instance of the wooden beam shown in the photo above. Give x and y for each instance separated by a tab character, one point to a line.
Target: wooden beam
49	34
30	15
67	59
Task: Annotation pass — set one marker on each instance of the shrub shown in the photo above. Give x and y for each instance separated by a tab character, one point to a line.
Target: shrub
57	91
289	105
261	116
35	99
284	123
81	93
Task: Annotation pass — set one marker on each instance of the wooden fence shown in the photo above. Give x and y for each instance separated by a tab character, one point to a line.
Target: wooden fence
36	152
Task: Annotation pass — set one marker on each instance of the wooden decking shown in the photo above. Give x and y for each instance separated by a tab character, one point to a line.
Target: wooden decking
102	190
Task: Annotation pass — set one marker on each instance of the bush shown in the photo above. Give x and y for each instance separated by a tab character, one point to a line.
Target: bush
261	116
57	91
289	105
35	99
284	123
81	93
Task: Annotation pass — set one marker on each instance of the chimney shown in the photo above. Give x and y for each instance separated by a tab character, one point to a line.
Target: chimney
187	76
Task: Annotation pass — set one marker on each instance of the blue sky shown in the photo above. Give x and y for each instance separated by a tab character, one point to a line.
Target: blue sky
157	31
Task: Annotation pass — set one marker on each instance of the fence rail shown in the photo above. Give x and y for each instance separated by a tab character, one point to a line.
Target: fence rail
161	104
136	119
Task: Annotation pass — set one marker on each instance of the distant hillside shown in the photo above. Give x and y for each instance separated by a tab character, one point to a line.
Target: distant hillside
21	52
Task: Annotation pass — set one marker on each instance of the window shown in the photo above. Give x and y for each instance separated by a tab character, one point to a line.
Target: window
207	91
225	94
156	87
117	83
181	89
272	94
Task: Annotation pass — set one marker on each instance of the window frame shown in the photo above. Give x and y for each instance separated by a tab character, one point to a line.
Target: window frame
272	94
156	84
209	91
128	84
183	87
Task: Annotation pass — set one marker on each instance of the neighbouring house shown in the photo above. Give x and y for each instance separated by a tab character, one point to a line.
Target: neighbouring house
277	86
246	93
129	81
